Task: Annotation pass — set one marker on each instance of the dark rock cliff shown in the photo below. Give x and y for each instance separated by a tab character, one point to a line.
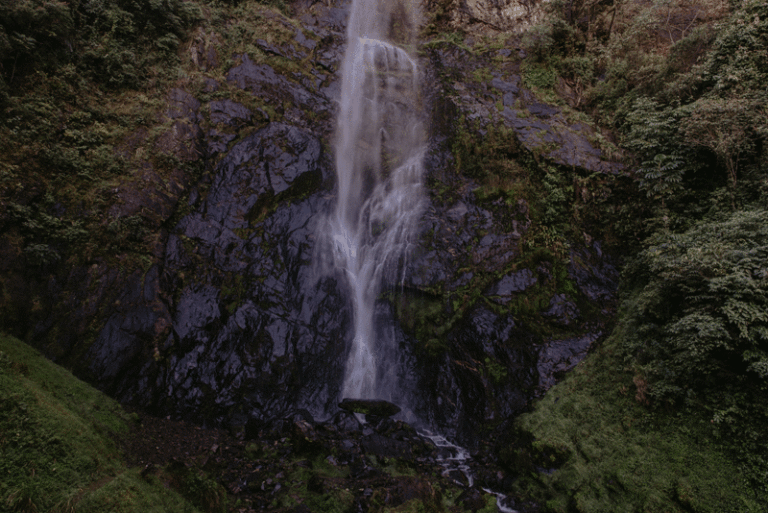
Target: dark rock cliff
229	323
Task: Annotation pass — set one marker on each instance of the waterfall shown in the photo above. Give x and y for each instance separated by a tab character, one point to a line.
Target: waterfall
379	150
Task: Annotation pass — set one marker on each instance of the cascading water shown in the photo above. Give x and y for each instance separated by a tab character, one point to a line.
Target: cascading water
379	152
380	146
456	459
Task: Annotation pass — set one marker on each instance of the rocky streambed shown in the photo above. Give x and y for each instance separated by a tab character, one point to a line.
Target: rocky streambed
296	464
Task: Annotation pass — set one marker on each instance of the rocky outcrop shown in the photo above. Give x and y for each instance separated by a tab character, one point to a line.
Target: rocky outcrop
487	89
373	407
510	15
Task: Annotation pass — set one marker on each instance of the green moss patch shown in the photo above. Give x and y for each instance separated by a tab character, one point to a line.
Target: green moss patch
57	448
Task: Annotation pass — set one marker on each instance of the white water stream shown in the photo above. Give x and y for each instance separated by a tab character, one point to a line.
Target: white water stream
379	152
456	459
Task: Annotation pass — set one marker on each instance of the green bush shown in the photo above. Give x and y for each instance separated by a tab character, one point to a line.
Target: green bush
590	446
698	327
701	315
653	135
58	449
111	40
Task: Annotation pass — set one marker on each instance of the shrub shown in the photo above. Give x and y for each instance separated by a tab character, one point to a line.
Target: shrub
701	312
729	128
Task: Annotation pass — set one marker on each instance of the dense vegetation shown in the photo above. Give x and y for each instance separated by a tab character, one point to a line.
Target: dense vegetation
59	62
597	448
84	114
684	86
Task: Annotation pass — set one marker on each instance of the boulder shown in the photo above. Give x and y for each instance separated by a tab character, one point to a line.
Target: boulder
377	407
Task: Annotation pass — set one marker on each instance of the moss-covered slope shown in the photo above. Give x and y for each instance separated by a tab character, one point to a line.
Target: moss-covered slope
57	443
596	447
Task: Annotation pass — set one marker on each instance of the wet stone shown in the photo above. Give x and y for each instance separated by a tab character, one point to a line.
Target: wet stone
330	60
211	86
377	407
457	212
181	104
427	270
511	283
346	421
266	162
458	476
385	447
270	48
472	499
250	75
504	86
562	309
596	277
304	41
463	280
558	356
198	307
542	110
218	141
229	112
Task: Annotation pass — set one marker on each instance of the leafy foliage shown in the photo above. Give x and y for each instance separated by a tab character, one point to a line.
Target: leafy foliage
701	317
652	134
64	71
730	128
110	40
698	323
683	81
604	451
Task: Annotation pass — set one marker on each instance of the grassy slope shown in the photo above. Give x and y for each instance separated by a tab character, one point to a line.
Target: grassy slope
56	443
619	455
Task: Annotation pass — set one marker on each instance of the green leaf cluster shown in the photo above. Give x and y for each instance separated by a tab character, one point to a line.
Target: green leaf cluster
685	86
697	322
593	447
112	41
701	316
682	115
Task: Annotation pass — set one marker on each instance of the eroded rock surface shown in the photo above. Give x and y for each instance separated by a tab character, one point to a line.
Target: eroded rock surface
231	323
513	15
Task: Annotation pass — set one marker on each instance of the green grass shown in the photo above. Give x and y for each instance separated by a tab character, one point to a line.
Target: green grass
57	449
613	454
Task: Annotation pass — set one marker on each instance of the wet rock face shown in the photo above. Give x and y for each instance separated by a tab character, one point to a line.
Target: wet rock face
254	330
488	91
232	324
467	391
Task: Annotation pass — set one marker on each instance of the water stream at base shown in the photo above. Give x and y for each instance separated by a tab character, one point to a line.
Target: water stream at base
454	458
